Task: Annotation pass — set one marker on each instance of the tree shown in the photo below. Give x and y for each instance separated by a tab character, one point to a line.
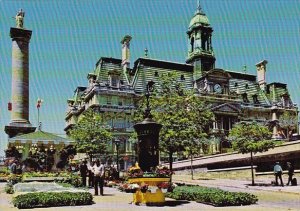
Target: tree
288	120
91	134
199	117
251	137
184	116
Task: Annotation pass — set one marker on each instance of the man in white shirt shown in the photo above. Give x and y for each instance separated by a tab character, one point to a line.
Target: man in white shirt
98	171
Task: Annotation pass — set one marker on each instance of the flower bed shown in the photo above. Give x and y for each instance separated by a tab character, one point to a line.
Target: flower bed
52	199
213	196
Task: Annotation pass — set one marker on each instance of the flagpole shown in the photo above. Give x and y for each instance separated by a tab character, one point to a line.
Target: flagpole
38	105
38	116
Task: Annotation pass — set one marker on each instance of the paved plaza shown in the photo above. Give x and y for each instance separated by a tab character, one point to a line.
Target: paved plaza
270	198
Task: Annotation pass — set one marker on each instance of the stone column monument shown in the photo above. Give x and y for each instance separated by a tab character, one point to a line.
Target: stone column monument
20	123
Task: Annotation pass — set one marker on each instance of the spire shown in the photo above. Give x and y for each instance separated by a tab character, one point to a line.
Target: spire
199	9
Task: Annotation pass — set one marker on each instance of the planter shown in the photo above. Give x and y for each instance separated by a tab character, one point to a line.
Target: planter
155	197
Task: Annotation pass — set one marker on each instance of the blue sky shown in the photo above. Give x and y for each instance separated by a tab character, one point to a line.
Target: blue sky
70	36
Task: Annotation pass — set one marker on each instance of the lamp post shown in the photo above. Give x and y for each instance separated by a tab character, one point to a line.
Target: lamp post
117	143
148	134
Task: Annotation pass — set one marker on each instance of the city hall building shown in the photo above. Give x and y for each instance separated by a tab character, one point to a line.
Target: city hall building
114	86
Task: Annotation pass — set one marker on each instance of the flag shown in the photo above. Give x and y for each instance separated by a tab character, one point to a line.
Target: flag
9	106
39	103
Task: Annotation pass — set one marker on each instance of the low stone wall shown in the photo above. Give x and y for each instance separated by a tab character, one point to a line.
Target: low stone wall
227	173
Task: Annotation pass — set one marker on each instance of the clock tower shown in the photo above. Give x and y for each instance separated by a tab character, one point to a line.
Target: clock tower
200	51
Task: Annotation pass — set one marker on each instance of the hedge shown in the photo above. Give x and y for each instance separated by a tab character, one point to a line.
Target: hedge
213	196
52	199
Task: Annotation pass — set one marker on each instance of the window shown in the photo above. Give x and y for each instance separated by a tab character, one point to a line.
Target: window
235	84
182	77
255	99
245	98
114	81
120	103
246	86
285	101
192	44
156	74
108	100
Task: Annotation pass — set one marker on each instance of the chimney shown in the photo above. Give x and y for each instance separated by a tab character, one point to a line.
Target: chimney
261	74
125	52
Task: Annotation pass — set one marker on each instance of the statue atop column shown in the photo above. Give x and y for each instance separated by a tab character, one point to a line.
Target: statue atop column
20	18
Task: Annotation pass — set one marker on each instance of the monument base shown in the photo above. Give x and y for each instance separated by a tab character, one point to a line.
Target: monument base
14	129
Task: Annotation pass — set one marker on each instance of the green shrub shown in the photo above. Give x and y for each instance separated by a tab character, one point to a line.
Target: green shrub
52	199
214	196
9	188
74	180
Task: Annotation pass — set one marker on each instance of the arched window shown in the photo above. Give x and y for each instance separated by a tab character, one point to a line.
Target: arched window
192	44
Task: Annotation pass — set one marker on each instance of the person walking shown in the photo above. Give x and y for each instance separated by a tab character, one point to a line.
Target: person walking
91	174
13	167
83	172
98	170
290	172
278	173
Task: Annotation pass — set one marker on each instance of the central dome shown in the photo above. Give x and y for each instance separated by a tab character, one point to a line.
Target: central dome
199	19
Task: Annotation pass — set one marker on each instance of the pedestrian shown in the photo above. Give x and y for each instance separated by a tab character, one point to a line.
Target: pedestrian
83	172
278	173
91	174
290	172
13	167
98	170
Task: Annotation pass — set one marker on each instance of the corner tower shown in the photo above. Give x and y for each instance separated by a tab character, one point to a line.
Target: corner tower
200	51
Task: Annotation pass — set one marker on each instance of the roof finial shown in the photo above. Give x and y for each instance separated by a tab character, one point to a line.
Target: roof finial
146	52
245	68
199	9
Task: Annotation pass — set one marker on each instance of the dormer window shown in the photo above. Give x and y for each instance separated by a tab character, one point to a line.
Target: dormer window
255	99
114	81
245	98
285	100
